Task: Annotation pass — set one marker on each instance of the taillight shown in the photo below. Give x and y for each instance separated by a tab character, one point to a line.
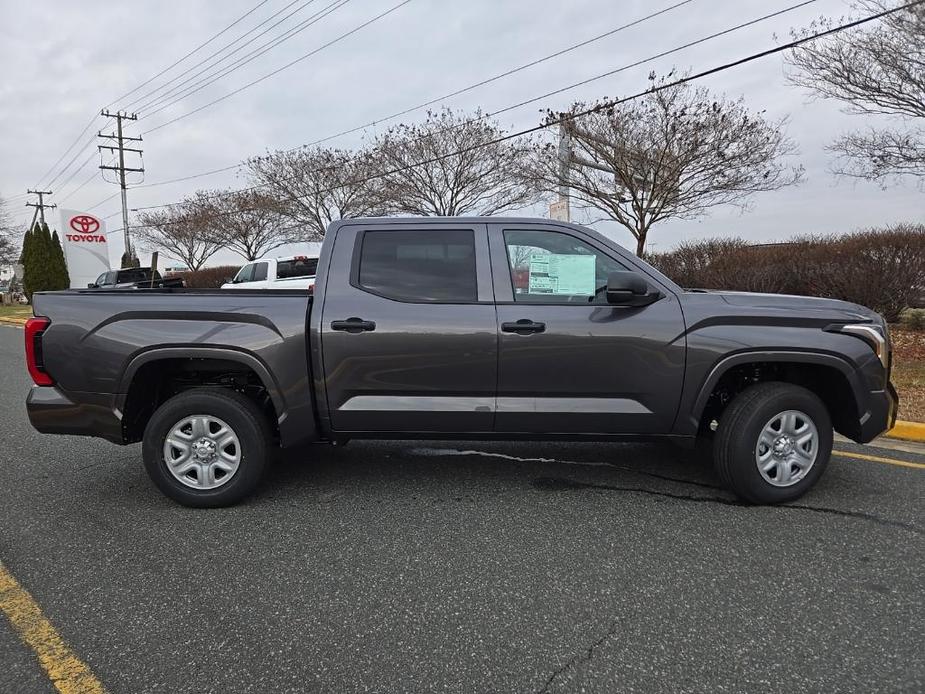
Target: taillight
35	328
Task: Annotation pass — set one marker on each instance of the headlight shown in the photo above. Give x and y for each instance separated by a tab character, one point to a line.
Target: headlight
878	338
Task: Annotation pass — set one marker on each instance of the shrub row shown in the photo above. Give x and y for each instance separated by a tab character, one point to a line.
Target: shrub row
880	268
208	277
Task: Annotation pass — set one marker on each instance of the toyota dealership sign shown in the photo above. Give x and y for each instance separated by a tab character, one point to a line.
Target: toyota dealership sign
86	249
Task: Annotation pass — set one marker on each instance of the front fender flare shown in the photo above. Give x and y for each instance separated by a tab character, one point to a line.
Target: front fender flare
794	356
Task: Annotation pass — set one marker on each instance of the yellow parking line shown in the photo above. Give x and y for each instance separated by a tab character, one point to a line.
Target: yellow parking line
68	673
876	459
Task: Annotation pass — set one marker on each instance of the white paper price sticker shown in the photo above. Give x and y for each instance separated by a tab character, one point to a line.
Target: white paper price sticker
562	274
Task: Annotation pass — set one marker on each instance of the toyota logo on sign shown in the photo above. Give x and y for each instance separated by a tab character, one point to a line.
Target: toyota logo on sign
84	224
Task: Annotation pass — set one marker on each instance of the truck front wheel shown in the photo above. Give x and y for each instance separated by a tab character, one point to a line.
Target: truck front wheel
207	447
773	443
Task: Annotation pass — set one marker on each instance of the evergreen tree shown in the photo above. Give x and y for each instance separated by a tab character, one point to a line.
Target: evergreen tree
25	259
61	278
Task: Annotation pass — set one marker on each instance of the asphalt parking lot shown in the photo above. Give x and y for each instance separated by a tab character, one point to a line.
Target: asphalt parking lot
458	567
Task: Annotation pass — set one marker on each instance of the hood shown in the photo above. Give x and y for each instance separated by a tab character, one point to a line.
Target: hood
809	306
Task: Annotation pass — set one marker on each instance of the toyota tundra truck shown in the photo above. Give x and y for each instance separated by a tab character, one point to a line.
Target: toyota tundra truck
460	328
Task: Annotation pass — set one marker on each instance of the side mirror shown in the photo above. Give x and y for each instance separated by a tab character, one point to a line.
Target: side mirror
229	280
630	289
92	285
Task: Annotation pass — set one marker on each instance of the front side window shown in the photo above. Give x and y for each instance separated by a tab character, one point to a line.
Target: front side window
419	266
245	274
260	272
551	267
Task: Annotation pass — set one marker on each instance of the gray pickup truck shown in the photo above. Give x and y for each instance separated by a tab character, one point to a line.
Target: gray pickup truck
460	328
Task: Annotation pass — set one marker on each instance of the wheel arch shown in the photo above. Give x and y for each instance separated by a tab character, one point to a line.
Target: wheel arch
832	378
205	357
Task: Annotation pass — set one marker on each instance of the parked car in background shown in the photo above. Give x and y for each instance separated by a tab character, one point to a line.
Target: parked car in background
293	272
133	278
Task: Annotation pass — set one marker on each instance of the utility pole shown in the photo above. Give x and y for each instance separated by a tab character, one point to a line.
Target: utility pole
129	259
559	210
39	206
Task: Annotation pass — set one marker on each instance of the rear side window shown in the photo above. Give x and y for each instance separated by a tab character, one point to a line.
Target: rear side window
298	267
260	272
419	266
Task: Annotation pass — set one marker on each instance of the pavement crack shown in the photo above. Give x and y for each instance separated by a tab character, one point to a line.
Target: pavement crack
562	484
583	656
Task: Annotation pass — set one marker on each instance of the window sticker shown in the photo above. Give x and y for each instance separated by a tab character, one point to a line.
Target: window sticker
551	273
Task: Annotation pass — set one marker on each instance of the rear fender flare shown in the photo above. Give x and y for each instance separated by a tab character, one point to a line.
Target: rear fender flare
245	358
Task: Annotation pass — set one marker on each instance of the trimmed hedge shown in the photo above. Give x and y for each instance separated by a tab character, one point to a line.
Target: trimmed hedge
880	268
208	277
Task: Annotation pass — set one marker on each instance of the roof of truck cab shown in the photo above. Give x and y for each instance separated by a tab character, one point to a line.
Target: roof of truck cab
448	220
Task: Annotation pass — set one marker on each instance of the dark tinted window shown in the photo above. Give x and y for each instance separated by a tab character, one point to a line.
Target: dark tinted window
260	272
138	274
419	265
298	267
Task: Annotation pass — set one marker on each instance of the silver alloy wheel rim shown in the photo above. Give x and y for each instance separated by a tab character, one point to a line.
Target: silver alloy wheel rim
202	452
787	448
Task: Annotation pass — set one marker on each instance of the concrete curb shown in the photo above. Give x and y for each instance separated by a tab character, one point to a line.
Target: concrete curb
12	321
907	431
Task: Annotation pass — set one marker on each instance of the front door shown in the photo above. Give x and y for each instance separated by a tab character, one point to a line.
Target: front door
569	362
408	329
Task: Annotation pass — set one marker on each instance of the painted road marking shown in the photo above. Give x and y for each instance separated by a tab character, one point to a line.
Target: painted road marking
68	673
877	459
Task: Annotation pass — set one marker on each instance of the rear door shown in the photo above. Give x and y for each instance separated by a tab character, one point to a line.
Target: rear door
409	335
569	362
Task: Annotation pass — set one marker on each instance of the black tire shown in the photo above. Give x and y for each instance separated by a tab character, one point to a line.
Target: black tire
740	427
248	424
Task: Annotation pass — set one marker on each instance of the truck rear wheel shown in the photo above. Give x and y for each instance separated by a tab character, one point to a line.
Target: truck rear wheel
207	447
773	443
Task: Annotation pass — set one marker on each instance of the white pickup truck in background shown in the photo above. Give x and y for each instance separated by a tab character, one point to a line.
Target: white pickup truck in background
293	272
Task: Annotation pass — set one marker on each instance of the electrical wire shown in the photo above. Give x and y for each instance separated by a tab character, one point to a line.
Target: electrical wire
228	45
491	114
457	92
365	24
241	62
609	104
192	52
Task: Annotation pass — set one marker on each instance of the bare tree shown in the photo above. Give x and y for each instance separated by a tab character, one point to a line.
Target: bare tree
316	186
183	231
452	164
674	153
248	222
9	251
877	69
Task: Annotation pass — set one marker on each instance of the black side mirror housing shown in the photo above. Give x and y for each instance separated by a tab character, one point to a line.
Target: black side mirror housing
630	289
92	285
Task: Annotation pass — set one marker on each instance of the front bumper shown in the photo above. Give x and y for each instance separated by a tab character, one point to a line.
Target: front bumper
52	411
881	415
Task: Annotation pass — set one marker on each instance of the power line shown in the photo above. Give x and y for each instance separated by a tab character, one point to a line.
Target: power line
96	115
534	99
284	67
68	150
228	45
192	52
457	92
74	174
104	200
165	101
611	103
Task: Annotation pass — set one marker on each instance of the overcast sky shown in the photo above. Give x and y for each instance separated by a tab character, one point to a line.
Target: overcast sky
63	61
